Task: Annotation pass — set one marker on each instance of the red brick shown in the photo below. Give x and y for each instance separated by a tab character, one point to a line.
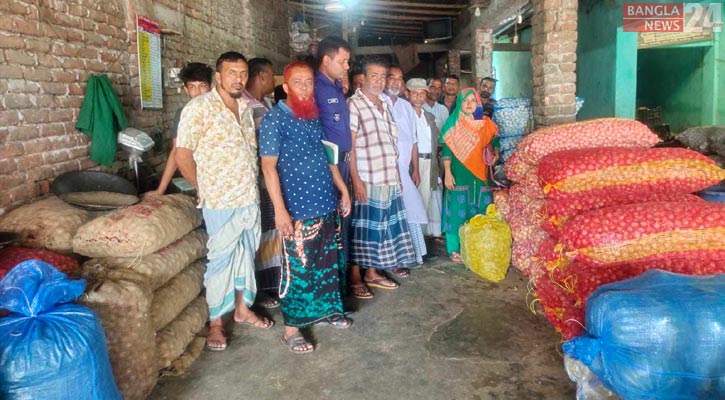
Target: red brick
48	60
60	115
56	156
8	118
78	10
38	74
65	50
13	7
11	42
74	63
11	71
76	89
108	30
88	52
9	181
19	57
54	88
19	194
22	133
79	152
94	39
41	173
37	46
63	76
72	165
29	162
38	145
87	163
35	116
44	184
26	27
96	66
12	149
22	86
69	102
17	101
60	6
7	166
52	129
45	101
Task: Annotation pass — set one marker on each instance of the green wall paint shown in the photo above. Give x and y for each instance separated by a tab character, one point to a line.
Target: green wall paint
608	72
513	71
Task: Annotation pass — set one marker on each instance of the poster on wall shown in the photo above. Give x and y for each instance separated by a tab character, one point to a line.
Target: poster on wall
149	62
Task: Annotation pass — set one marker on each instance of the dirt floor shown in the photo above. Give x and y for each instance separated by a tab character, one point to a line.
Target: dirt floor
444	334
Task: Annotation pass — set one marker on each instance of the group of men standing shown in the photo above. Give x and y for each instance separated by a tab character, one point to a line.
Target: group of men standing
320	239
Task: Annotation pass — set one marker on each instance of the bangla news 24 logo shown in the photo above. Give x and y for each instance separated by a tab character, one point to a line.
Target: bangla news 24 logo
672	17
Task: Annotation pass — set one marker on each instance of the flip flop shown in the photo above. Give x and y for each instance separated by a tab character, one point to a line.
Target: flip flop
456	258
361	291
221	331
340	323
269	303
400	272
297	340
268	322
382	283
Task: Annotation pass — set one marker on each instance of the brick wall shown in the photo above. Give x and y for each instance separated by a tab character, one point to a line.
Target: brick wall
49	48
553	61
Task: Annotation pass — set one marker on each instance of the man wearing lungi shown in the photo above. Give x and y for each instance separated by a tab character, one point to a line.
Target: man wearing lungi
217	153
300	178
381	237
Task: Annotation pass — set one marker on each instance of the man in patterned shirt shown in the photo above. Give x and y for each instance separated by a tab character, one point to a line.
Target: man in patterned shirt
380	234
217	153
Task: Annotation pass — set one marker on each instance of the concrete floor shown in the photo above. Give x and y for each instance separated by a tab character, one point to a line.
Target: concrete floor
444	334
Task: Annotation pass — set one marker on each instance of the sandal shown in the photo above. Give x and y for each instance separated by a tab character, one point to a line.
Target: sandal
214	331
400	272
340	323
382	283
295	343
262	323
456	257
269	303
361	291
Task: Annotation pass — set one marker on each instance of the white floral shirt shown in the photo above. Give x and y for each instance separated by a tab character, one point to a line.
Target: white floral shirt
225	151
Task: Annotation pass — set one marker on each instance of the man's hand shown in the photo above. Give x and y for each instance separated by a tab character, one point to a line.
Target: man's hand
345	206
283	223
450	182
416	177
361	194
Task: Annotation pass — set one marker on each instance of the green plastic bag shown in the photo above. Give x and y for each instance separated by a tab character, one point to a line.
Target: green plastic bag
486	245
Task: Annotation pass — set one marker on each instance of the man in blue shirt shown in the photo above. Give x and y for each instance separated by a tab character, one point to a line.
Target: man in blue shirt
333	56
300	177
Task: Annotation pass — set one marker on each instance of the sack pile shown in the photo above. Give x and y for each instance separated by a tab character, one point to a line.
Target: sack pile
145	285
512	116
594	204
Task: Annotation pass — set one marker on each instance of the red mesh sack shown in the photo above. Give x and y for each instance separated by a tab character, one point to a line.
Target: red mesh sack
614	132
501	200
584	175
560	307
517	170
652	231
12	256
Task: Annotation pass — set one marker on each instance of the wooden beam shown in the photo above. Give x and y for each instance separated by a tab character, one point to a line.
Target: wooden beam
389	33
365	10
397	17
401	27
512	47
420	48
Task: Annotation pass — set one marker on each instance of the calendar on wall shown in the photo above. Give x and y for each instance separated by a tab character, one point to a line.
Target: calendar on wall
149	63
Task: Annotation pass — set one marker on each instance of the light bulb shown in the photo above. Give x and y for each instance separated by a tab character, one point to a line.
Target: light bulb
478	12
362	22
516	39
519	19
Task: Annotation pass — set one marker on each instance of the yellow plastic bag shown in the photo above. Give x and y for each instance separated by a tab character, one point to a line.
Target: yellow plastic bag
486	245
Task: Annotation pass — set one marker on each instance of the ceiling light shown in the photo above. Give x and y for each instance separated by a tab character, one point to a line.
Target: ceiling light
362	22
334	7
478	12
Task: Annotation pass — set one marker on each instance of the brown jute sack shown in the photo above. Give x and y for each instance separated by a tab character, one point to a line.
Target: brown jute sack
174	338
157	268
181	365
49	223
139	230
123	307
171	299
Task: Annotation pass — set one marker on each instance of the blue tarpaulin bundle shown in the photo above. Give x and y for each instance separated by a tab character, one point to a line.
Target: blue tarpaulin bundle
50	348
657	336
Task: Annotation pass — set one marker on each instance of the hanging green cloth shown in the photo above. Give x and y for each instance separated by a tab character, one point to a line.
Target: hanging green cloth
101	118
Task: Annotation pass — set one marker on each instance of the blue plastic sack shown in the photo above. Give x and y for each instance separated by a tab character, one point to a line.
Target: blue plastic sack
49	347
512	116
657	336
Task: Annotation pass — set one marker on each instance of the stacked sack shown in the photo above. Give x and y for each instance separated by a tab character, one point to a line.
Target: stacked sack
144	282
46	228
525	199
512	117
612	213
